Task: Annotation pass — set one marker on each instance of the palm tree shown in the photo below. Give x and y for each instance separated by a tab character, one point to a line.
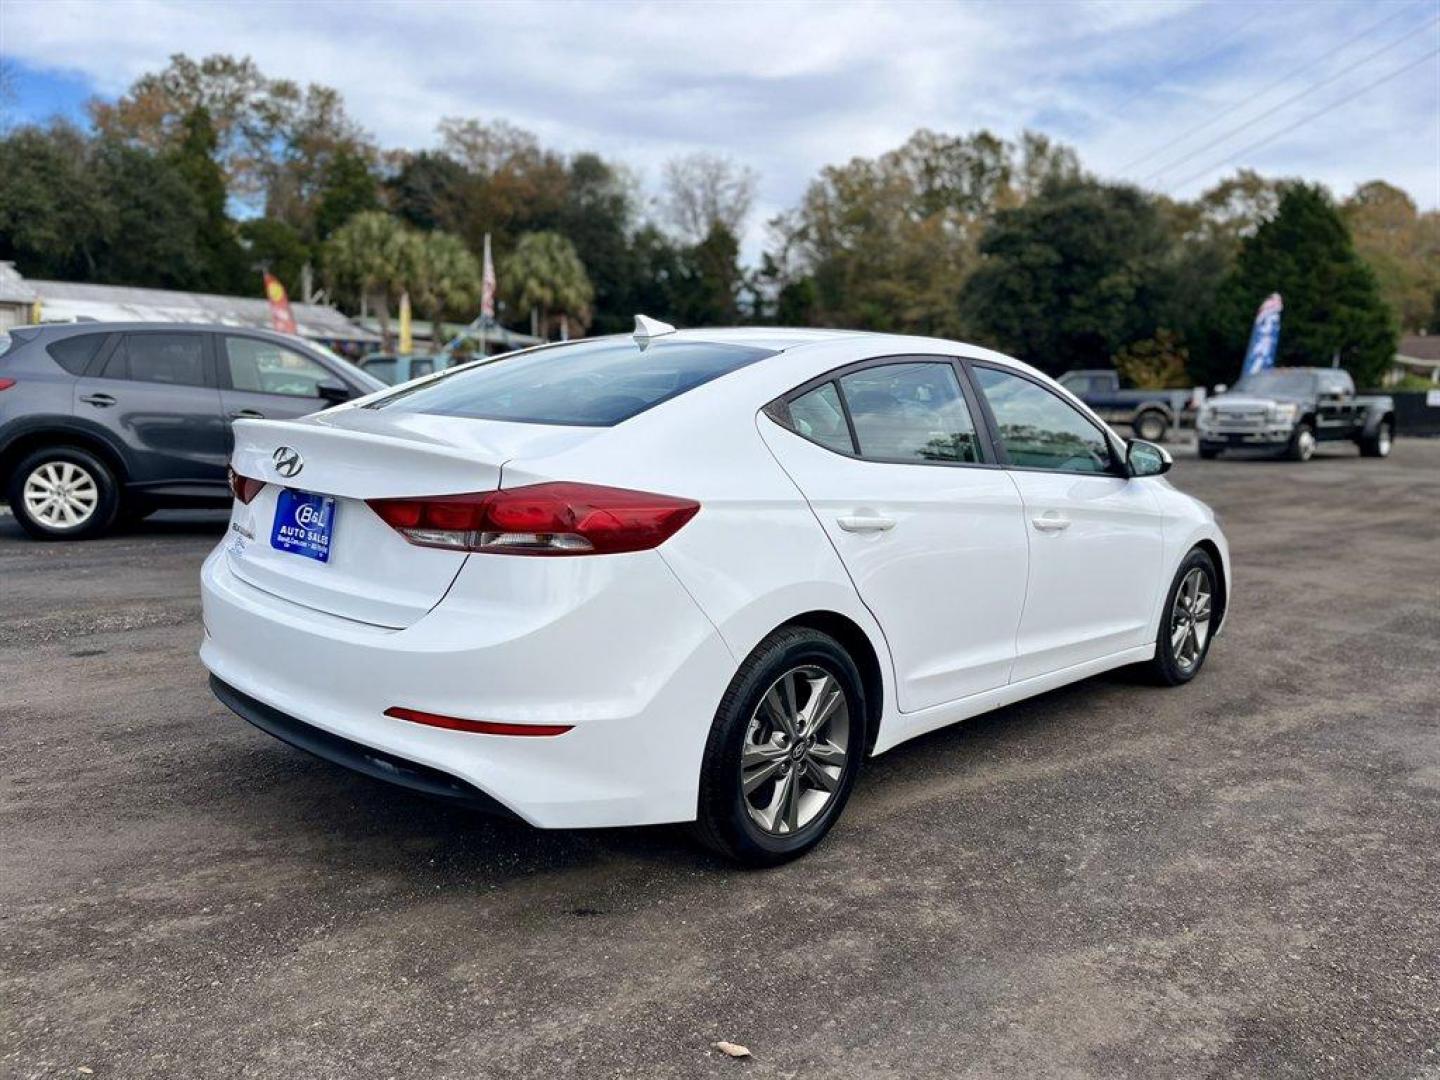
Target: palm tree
545	274
368	254
441	273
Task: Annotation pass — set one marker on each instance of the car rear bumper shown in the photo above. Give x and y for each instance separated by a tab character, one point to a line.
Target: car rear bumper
621	653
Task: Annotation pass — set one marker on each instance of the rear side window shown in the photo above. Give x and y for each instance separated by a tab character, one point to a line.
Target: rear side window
595	383
75	353
819	416
176	359
910	412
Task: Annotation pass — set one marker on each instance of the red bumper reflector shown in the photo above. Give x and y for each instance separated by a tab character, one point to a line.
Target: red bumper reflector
479	727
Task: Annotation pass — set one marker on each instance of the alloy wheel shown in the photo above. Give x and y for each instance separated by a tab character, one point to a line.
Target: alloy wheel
61	494
1190	620
795	750
1306	444
1382	440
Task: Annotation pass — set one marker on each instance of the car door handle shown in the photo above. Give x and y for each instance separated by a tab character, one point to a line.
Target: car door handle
1051	522
865	523
247	414
100	401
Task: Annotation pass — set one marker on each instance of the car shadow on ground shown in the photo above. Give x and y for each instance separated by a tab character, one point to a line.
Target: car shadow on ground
373	827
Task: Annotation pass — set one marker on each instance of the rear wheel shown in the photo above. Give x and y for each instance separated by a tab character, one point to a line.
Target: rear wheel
1302	442
784	750
1151	426
1188	622
63	493
1378	445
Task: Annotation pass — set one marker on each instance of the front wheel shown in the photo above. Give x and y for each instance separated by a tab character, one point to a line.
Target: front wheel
63	493
1188	622
1378	445
784	750
1302	443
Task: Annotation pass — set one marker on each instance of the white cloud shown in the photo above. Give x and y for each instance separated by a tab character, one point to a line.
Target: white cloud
789	87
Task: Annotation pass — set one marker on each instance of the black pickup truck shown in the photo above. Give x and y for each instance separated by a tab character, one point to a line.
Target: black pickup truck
1291	411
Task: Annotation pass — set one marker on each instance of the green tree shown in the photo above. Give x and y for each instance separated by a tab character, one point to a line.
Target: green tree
1332	300
367	257
153	235
706	288
274	246
597	216
1072	275
441	275
1155	363
427	191
543	274
221	258
348	188
53	210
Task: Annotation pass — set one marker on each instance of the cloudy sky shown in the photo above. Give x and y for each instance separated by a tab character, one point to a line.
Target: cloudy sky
1151	92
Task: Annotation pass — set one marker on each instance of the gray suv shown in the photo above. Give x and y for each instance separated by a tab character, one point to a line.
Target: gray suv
102	422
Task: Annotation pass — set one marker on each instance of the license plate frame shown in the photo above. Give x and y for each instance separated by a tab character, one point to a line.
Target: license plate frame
304	524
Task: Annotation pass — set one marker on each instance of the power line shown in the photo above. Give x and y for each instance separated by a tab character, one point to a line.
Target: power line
1225	43
1157	151
1288	101
1306	119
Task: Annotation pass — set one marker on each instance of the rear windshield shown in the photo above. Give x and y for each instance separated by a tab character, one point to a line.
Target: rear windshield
589	383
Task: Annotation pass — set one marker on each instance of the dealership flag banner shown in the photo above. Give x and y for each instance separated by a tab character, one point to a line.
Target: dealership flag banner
280	317
1264	336
407	334
487	284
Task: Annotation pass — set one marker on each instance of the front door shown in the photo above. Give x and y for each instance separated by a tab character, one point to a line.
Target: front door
261	379
1095	537
933	536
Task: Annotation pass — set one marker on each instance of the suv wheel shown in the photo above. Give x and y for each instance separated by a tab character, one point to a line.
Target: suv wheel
784	750
63	493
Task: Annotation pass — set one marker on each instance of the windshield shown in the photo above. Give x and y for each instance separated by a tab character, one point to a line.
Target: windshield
595	383
1277	381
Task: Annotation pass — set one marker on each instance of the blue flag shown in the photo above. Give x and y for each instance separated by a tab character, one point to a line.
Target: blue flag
1264	336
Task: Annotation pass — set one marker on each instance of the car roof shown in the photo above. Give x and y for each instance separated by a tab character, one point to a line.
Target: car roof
101	327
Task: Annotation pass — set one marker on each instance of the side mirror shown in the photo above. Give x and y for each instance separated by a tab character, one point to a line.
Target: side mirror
332	391
1146	459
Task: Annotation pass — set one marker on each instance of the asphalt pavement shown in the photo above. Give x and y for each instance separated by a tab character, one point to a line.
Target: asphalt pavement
1240	877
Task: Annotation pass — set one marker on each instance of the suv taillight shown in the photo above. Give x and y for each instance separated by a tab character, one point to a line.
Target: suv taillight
243	487
5	384
541	519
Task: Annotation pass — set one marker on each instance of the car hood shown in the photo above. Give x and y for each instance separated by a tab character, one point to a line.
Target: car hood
1249	401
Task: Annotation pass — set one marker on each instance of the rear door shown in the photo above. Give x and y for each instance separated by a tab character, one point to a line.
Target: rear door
156	390
1095	536
261	379
892	461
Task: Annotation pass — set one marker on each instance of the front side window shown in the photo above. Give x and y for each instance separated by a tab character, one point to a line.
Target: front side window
264	367
1038	429
595	383
910	412
176	359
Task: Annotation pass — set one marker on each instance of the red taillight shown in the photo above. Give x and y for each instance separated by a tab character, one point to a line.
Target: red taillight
479	727
243	487
542	519
5	384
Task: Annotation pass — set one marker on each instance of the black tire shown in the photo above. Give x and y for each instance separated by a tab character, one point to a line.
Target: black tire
1302	442
1151	426
1166	669
107	494
1378	445
723	821
1208	452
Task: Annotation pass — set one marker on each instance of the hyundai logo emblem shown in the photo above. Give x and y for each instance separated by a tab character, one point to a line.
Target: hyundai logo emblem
288	461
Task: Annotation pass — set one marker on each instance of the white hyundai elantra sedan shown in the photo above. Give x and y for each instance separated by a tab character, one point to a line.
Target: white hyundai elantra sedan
692	576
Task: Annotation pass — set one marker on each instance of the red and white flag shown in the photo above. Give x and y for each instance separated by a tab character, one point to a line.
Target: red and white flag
487	283
280	316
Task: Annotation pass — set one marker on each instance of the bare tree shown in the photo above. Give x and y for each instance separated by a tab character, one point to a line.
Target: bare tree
703	190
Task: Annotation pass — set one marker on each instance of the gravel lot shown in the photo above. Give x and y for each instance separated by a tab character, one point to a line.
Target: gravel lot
1236	878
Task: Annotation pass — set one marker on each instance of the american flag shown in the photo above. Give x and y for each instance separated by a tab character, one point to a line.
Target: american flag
487	283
